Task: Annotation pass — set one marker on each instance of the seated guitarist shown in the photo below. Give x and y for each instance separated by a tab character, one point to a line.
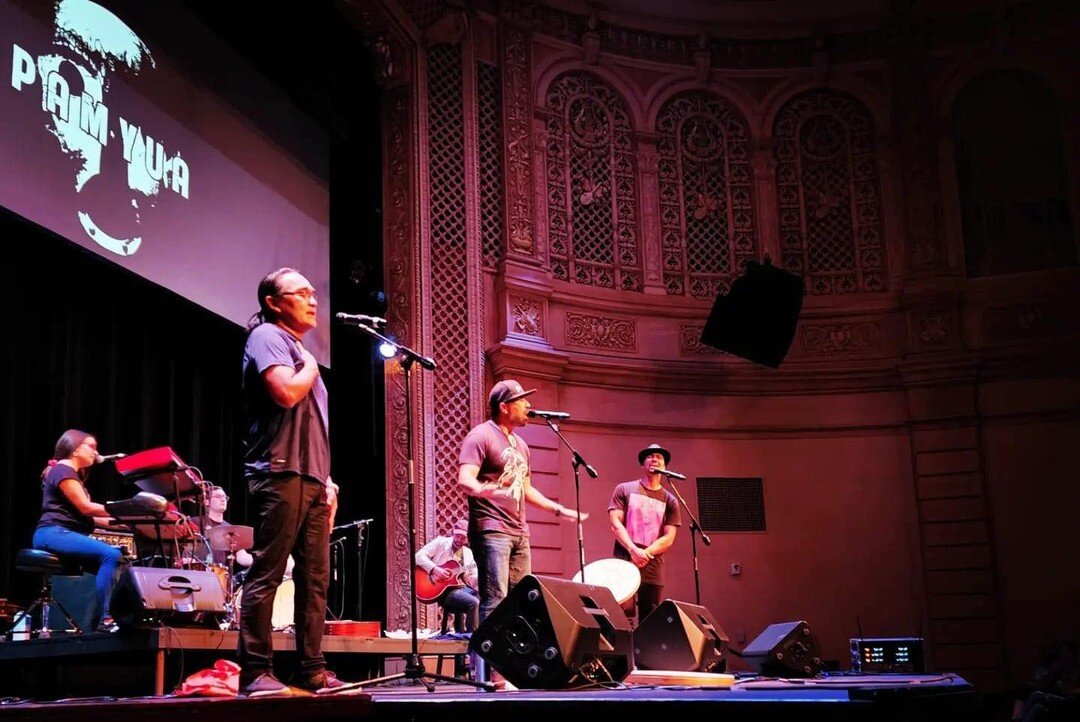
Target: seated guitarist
450	566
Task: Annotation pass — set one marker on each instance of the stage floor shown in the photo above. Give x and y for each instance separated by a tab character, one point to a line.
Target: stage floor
106	675
889	698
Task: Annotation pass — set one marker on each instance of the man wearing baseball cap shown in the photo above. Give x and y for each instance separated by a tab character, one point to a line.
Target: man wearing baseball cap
458	578
644	518
493	470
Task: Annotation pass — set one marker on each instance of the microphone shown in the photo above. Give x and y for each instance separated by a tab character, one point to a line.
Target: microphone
351	524
556	415
361	318
670	474
108	457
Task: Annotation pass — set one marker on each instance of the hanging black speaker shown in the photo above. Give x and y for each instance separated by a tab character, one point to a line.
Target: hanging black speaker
756	320
552	634
787	649
683	637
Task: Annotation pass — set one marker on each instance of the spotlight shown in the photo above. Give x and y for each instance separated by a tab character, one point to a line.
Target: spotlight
387	350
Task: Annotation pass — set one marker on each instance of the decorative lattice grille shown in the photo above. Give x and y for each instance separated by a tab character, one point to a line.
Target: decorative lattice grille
449	277
706	212
489	139
592	194
828	194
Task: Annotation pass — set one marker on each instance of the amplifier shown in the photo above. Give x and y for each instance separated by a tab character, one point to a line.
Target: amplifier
887	654
123	539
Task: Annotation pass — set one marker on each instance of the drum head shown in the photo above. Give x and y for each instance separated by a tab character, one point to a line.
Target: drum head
283	605
282	616
618	575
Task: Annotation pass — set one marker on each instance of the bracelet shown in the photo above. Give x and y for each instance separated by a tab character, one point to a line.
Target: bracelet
559	510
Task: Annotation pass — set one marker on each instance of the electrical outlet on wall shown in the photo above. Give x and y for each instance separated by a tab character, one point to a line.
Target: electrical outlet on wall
736	569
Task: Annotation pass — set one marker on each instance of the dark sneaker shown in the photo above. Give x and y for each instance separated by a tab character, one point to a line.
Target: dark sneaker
107	626
324	679
266	685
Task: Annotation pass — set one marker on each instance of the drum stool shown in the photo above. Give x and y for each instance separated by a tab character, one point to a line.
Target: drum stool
46	565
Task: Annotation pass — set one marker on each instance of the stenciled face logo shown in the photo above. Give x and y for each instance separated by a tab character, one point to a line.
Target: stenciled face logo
90	44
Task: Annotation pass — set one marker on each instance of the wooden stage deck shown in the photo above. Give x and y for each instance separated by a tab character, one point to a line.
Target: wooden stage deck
151	648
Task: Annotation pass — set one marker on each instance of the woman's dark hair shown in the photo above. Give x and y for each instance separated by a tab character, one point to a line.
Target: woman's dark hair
68	442
65	447
269	286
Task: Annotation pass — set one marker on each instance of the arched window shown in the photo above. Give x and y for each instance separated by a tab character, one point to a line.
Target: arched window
828	193
592	191
706	213
1011	176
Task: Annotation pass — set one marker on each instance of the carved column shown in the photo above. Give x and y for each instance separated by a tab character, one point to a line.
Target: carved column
400	203
539	190
915	136
764	165
521	242
648	161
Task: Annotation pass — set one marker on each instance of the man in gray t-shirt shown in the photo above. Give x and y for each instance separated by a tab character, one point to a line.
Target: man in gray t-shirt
493	471
287	468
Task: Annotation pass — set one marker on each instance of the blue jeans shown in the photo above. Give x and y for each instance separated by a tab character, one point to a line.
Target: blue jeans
71	546
463	601
502	560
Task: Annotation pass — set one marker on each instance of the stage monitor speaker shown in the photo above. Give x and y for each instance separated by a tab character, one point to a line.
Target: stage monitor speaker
756	320
683	637
787	649
552	634
149	596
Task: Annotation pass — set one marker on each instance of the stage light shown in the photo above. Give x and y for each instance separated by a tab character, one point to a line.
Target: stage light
387	350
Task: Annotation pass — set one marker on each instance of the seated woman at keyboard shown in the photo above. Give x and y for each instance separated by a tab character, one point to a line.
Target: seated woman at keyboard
68	516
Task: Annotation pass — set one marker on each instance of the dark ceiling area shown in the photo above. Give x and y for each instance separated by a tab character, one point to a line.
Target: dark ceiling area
314	54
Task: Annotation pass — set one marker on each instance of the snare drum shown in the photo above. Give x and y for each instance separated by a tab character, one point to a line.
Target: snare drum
618	575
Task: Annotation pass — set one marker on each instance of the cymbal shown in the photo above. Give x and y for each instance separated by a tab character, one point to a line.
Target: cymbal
229	537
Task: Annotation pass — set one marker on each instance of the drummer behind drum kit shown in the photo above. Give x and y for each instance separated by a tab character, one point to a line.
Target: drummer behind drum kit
231	538
228	538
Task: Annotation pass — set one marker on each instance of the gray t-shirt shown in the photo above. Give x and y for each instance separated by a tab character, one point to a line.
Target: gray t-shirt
505	461
279	440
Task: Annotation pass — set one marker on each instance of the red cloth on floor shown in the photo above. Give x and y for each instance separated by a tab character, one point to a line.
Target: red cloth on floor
221	680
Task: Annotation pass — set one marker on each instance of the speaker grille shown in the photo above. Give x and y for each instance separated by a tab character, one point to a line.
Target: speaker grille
731	504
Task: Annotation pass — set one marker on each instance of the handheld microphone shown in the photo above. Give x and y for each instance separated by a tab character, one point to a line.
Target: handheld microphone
670	474
556	415
351	524
108	457
361	318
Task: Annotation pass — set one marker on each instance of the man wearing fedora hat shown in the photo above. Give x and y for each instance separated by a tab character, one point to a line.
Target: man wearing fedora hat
460	581
644	518
493	470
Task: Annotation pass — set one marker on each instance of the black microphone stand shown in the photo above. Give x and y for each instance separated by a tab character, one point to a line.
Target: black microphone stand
577	463
414	666
694	527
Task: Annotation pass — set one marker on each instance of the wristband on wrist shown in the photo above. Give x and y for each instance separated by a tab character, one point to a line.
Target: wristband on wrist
559	510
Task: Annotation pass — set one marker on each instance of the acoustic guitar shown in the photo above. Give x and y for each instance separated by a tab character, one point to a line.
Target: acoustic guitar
429	590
